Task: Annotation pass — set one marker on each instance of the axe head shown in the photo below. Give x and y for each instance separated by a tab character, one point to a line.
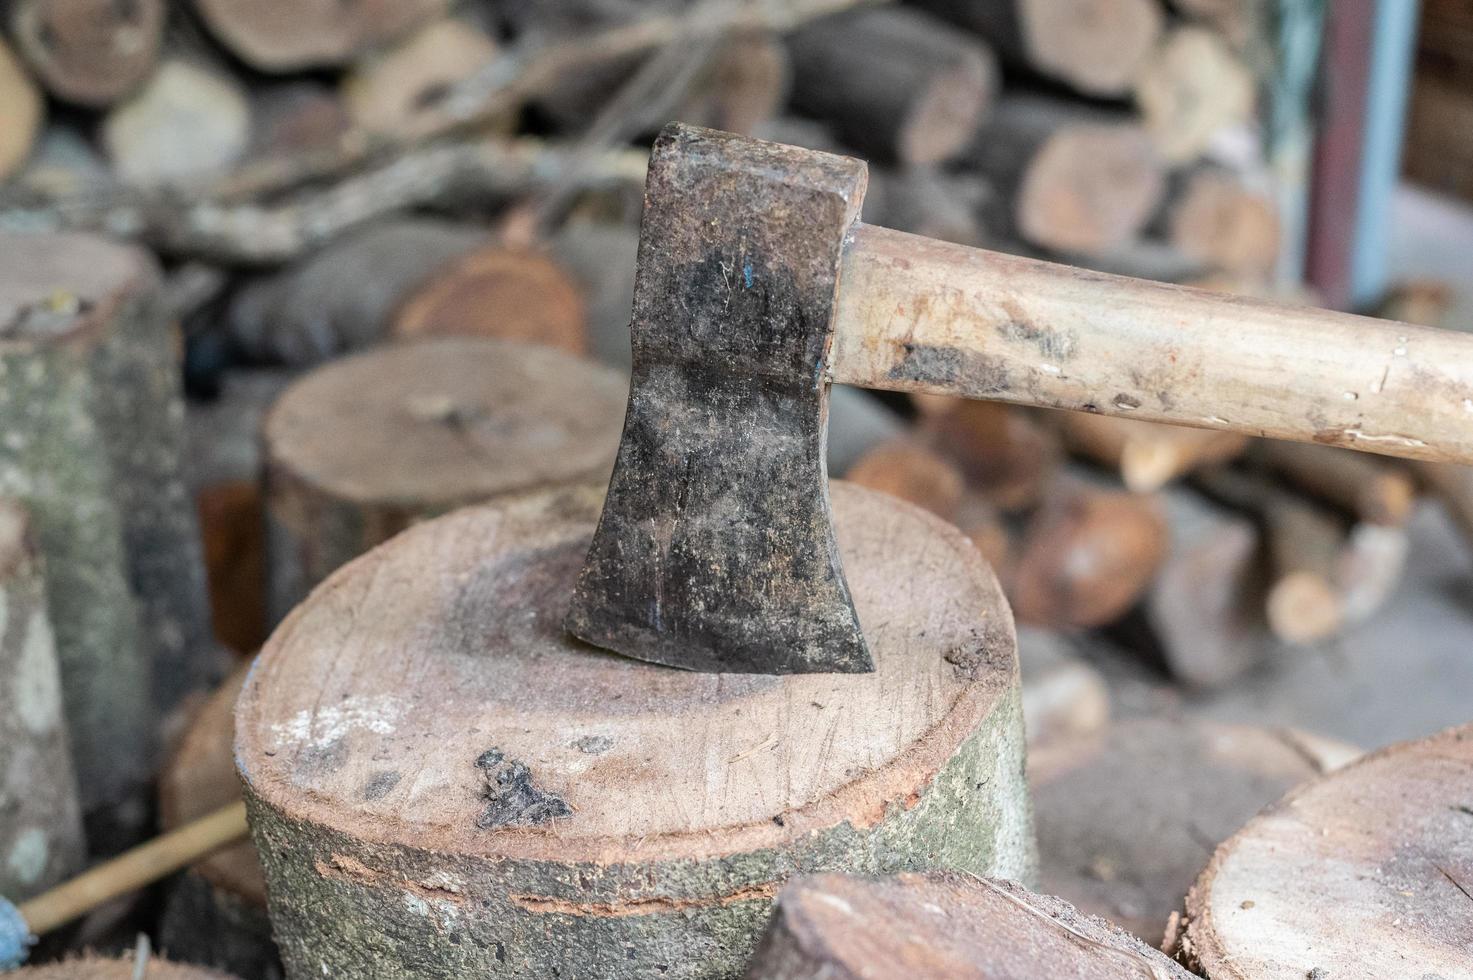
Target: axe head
715	550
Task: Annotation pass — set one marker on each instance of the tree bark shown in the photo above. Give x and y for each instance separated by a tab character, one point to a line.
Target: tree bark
499	292
41	839
1005	455
91	52
609	817
24	112
288	35
1147	455
894	83
837	927
95	429
1127	817
1303	887
1081	179
1095	46
361	448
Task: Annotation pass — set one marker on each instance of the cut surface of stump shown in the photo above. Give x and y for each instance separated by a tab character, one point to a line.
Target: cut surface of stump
361	448
1128	816
40	819
1364	873
216	913
1192	88
501	292
939	925
92	52
430	760
286	35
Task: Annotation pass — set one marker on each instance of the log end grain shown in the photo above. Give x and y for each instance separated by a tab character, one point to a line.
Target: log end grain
186	121
1363	873
429	757
287	35
388	93
1193	87
24	110
91	52
1090	189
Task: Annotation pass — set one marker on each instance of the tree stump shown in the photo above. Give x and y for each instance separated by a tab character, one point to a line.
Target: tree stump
94	426
895	84
91	52
443	783
24	111
99	968
837	927
497	291
216	912
287	35
41	838
1364	873
361	448
1128	817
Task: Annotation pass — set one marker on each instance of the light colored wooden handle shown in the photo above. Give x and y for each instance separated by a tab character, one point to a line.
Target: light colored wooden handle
143	865
914	314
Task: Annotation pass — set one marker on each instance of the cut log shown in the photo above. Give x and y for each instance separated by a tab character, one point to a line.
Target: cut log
91	52
1368	488
1096	46
907	470
1148	455
429	759
99	968
1364	873
1080	179
602	256
1192	88
24	111
1005	456
746	84
500	292
1216	219
216	912
894	83
41	838
296	117
94	424
838	927
389	91
1303	543
1369	569
1086	557
1063	696
344	297
287	35
361	448
1128	817
188	121
930	202
1202	618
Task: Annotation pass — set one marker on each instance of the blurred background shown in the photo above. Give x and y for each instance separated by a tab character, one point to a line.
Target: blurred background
318	179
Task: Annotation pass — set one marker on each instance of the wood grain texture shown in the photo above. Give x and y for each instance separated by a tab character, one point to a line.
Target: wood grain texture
1363	873
625	819
40	818
919	315
836	927
91	52
390	91
1128	816
361	448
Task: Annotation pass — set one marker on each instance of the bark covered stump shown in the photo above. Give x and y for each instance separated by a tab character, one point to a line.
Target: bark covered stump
93	418
443	783
360	449
216	912
40	820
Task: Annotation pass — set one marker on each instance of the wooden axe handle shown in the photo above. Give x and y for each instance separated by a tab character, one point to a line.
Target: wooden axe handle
913	314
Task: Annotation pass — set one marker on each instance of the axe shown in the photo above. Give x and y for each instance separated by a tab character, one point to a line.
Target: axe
757	286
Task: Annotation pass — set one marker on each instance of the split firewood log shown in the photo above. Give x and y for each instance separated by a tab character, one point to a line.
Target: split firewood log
907	469
1128	817
188	120
1147	455
894	83
389	90
943	924
1095	46
23	110
91	52
288	35
1189	90
1361	874
1218	220
1005	455
1082	179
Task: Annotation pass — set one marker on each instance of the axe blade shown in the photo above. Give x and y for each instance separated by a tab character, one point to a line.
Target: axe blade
716	549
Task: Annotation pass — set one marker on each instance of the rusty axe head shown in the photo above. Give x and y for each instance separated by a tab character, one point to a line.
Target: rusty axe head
716	547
